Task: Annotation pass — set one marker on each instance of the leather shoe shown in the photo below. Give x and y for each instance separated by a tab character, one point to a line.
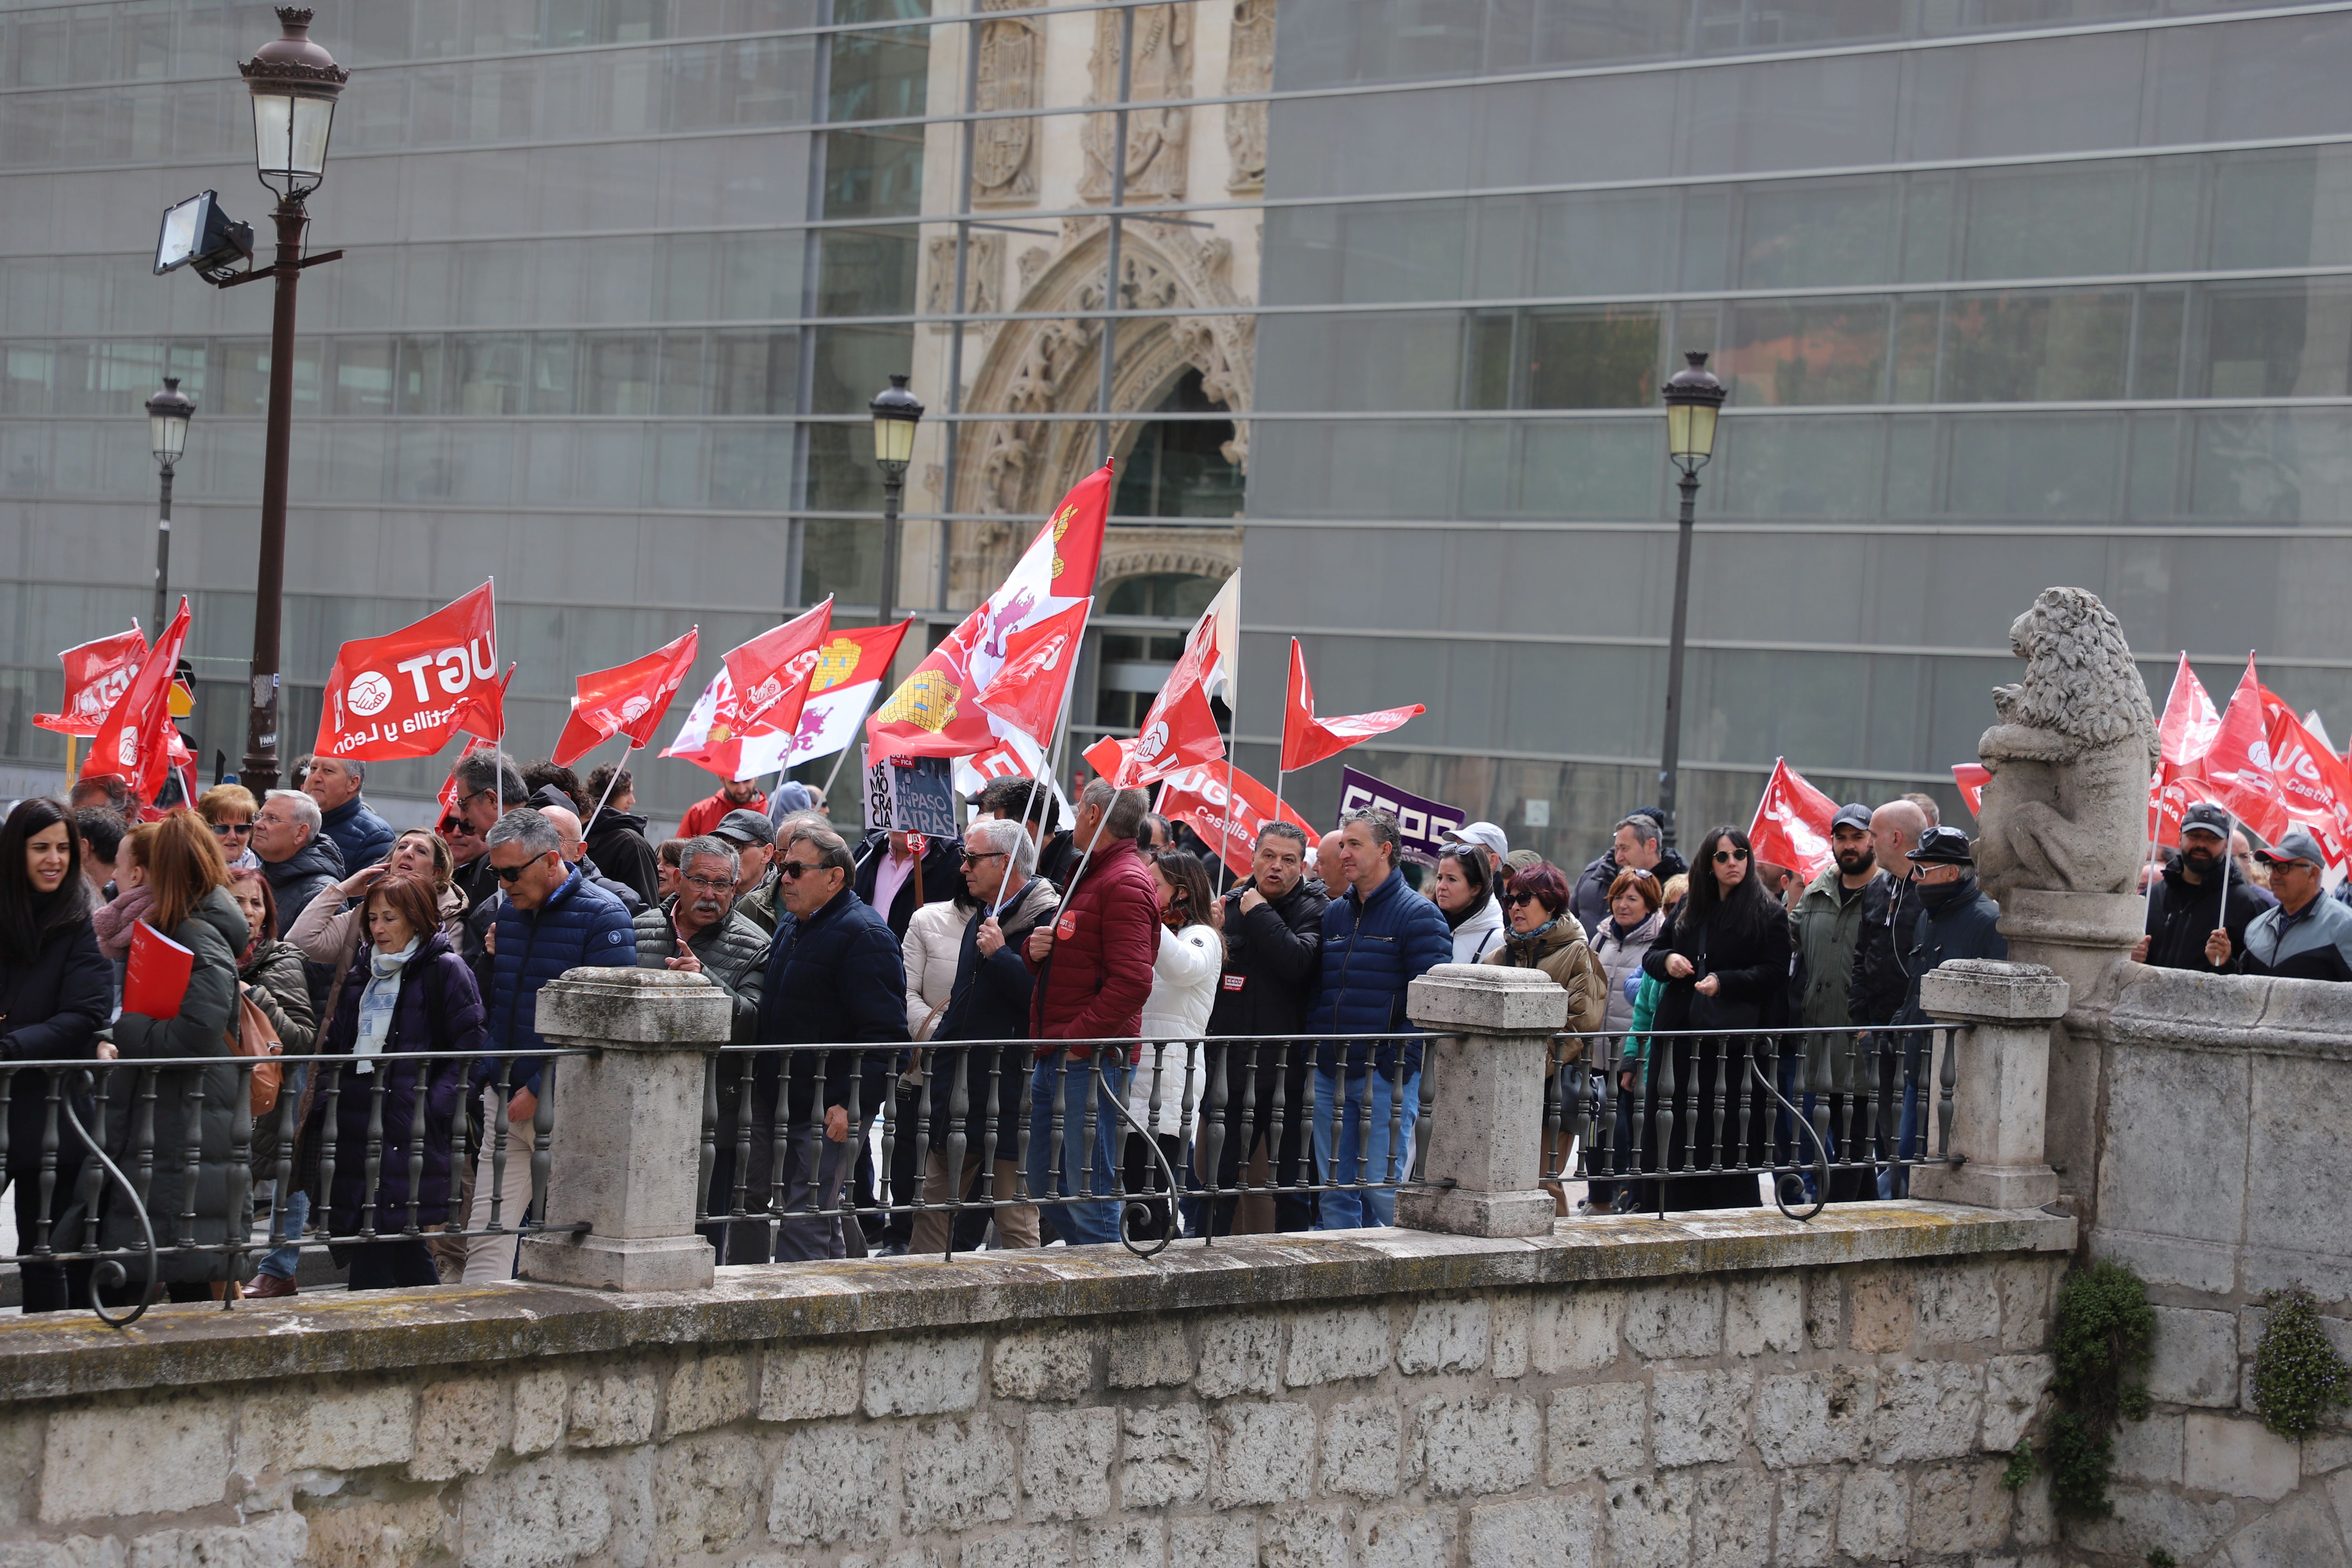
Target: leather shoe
264	1286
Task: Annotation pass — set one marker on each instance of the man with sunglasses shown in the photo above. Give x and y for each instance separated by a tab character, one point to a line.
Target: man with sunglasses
553	919
487	788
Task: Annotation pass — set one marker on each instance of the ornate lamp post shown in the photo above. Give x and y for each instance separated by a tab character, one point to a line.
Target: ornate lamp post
294	84
1692	396
896	412
168	413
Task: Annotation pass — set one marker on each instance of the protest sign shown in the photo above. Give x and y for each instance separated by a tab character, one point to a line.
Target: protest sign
1420	823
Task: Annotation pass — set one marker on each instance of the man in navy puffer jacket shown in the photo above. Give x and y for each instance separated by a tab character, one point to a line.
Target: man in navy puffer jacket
1376	941
551	920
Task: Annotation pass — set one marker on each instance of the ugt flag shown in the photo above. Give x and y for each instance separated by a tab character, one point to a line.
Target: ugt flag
628	699
1793	823
1306	738
136	738
2184	735
1027	689
408	693
933	713
2237	773
848	678
97	675
2315	786
1228	823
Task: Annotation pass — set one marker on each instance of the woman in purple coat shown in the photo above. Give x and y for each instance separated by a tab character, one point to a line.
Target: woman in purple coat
407	991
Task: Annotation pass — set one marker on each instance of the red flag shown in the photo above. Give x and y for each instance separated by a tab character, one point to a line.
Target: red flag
97	675
1026	690
1793	823
1307	739
772	672
135	738
407	693
449	796
628	699
1972	777
931	714
2184	735
849	674
1228	824
2237	773
1109	757
2315	786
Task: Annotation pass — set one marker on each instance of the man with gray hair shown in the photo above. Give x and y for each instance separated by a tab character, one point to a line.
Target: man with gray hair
988	1000
553	919
1093	967
488	788
697	930
296	858
362	836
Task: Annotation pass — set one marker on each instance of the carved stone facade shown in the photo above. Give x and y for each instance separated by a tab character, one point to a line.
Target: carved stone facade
1158	140
1005	151
1249	67
984	280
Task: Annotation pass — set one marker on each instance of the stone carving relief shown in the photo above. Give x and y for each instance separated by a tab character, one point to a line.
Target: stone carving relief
1249	67
2066	809
1005	151
983	276
1157	139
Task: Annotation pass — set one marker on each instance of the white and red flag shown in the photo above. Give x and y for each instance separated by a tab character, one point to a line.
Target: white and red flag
1228	823
97	675
1793	823
849	673
137	737
933	713
2184	735
408	693
748	718
1971	778
2236	774
628	699
1028	688
1306	738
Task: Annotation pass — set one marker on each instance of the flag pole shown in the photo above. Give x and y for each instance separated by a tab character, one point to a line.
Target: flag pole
1046	761
610	784
1233	739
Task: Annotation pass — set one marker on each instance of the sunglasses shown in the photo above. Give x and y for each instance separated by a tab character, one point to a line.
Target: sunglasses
1517	899
796	869
514	873
971	858
223	830
1726	857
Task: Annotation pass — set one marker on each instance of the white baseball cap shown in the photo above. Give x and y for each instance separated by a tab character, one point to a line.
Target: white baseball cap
1484	834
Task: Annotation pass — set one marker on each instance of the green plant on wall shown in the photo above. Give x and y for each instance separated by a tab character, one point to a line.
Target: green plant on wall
2099	1344
2297	1373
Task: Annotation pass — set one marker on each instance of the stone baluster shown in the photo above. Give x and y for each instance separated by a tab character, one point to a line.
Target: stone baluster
1485	1131
627	1137
2000	1016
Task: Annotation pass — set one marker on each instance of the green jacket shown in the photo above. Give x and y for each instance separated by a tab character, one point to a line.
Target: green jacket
1633	1053
1824	929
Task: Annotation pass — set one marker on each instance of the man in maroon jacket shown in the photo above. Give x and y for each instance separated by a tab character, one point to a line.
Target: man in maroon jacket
1093	965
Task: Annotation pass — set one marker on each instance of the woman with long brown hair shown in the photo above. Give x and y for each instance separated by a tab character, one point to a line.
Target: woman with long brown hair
195	1108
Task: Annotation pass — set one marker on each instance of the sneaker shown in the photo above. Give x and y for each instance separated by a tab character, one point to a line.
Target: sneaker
263	1287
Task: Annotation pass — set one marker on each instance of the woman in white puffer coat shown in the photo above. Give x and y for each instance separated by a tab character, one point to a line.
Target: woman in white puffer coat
1183	989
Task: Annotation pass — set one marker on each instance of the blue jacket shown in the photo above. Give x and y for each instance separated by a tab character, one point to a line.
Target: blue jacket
1372	950
836	978
362	836
581	926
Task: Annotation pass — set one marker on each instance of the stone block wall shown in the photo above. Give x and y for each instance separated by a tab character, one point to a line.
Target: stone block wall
1738	1392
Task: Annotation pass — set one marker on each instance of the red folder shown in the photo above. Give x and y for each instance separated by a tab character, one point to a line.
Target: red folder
157	977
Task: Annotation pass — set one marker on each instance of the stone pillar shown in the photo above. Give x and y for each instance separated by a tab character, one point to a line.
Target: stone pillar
628	1144
2000	1045
2085	939
1484	1127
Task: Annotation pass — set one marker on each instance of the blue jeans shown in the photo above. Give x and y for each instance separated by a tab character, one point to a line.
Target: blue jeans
1346	1150
282	1262
1079	1224
1894	1181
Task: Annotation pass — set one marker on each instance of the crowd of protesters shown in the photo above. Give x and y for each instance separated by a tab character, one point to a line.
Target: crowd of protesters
970	1006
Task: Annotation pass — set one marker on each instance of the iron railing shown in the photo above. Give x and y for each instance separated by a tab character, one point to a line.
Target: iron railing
1824	1114
109	1132
970	1105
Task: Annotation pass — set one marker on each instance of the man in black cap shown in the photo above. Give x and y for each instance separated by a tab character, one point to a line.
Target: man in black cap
1824	929
1955	919
2184	908
753	839
2308	936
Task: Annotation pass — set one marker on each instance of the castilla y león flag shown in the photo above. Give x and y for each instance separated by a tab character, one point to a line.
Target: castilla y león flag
136	737
407	693
747	719
933	713
97	675
849	672
1792	822
1306	738
628	699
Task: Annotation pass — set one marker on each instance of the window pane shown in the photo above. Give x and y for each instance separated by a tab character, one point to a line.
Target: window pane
754	373
492	373
1592	359
2052	223
760	276
421	376
2033	348
552	374
685	373
1603	243
2276	340
618	375
363	376
1606	468
853	364
1830	351
1811	236
2061	467
866	272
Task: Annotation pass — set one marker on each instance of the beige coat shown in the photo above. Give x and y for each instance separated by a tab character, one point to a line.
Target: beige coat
1562	954
933	942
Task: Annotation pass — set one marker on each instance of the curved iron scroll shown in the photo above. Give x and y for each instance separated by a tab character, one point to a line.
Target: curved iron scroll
1129	1208
1821	1166
109	1272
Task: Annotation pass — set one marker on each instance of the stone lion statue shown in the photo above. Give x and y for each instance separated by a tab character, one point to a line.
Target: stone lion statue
2066	808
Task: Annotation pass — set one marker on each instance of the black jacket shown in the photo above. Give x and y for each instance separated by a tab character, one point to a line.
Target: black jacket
835	978
617	843
990	1001
1882	974
298	880
1962	925
1057	857
2182	914
51	1010
1745	945
1274	963
941	876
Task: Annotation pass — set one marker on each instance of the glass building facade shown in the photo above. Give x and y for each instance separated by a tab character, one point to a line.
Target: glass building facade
2006	294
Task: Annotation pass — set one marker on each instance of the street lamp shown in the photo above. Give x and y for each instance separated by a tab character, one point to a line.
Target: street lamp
1693	397
896	413
294	83
168	413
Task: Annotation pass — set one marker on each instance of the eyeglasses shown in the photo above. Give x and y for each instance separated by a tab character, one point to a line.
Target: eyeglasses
796	869
514	873
970	858
1517	899
223	830
1726	857
715	885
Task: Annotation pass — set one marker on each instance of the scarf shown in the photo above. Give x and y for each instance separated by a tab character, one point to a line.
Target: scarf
1529	941
113	921
379	1000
